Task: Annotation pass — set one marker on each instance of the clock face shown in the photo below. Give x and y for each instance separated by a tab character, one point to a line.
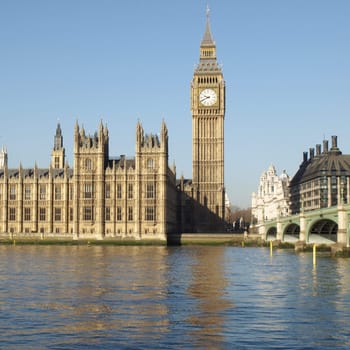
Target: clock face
207	97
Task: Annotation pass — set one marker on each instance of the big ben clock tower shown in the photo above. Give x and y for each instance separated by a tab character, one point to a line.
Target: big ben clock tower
208	113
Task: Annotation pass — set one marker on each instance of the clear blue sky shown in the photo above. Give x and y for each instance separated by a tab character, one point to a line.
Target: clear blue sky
286	64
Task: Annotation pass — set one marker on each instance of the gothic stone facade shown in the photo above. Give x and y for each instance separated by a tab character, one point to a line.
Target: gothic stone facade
135	198
102	197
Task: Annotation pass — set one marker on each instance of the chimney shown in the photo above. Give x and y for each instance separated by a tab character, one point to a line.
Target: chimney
334	142
318	149
325	146
305	157
335	149
312	153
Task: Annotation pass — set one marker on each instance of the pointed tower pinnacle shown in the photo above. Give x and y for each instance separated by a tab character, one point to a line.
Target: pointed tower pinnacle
208	38
164	130
139	133
207	48
58	140
58	152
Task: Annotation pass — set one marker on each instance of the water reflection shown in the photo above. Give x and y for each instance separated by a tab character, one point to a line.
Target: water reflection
178	297
88	290
207	286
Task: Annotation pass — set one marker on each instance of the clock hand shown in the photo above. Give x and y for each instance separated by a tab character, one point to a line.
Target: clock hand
205	97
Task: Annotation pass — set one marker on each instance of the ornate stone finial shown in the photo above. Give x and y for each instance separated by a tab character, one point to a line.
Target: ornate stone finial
139	131
76	128
105	130
164	129
174	165
82	131
20	170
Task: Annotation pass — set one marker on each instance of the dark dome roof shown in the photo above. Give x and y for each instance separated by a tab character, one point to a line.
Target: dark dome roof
329	163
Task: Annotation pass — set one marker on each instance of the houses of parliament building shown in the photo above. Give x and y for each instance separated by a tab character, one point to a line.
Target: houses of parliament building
140	198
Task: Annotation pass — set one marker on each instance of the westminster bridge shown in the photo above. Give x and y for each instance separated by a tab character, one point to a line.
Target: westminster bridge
327	225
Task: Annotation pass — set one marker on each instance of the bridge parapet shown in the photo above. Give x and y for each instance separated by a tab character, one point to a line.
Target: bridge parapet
305	220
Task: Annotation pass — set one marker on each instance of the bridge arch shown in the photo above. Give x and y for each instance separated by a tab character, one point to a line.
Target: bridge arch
293	230
271	233
326	228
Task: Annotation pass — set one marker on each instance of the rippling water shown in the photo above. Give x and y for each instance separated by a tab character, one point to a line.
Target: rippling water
62	297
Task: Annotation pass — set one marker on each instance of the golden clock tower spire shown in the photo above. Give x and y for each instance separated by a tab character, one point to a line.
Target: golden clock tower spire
208	112
208	49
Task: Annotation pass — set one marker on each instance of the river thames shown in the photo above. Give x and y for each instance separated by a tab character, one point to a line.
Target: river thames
142	297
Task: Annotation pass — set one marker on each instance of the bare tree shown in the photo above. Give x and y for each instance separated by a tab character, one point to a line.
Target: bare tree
240	218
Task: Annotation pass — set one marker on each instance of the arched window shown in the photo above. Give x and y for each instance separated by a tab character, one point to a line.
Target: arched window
150	190
150	163
88	164
88	190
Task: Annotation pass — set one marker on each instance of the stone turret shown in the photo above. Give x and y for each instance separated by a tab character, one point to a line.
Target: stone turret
151	167
91	155
58	151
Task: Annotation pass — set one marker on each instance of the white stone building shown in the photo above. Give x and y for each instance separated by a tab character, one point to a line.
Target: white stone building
272	196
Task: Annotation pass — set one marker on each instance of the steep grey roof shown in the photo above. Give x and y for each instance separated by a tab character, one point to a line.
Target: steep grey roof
121	162
43	172
60	172
14	173
332	163
185	181
208	64
207	37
